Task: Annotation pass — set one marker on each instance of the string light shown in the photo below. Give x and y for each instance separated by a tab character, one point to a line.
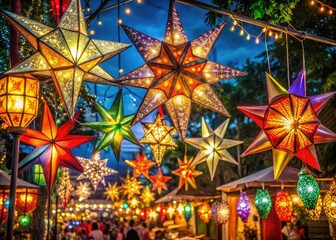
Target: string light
127	11
323	7
99	23
243	31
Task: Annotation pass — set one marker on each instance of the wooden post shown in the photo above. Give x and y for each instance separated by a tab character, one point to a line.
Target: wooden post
14	36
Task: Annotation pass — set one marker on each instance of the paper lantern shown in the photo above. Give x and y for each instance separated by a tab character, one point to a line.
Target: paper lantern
296	200
26	200
38	175
24	220
243	207
289	123
213	146
19	98
204	212
187	210
134	202
263	202
65	188
4	196
112	192
220	212
147	196
140	165
159	181
83	191
315	213
152	215
125	205
131	187
143	215
308	189
180	209
329	203
170	212
283	206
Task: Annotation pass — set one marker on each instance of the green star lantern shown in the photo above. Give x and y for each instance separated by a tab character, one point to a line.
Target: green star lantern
308	189
263	202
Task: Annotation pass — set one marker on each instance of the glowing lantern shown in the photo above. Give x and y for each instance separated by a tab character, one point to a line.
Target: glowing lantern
329	203
283	206
243	207
263	202
187	211
220	212
170	211
134	202
152	215
308	189
24	220
180	209
143	215
296	200
204	212
26	200
315	214
125	205
3	207
140	165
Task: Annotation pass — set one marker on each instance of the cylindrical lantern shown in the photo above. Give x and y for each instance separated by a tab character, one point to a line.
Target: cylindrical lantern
243	207
3	207
220	212
329	203
283	206
18	99
187	211
308	189
143	215
26	200
204	212
315	214
263	202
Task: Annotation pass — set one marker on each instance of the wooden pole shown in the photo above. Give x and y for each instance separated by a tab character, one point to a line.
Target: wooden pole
14	36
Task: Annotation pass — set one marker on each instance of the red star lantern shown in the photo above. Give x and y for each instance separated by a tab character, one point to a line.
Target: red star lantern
289	123
53	147
159	182
140	165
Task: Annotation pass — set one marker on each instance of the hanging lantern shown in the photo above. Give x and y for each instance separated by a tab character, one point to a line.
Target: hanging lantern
134	202
26	200
315	214
263	202
3	205
24	220
163	214
204	212
296	200
283	206
220	212
38	175
171	211
180	209
152	215
187	211
143	215
308	189
243	207
125	205
329	203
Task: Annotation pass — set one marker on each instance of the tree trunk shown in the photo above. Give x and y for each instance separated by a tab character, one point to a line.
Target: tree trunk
38	225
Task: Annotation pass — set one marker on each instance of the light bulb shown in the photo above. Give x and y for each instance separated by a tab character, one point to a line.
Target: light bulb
241	32
257	41
100	23
248	37
127	11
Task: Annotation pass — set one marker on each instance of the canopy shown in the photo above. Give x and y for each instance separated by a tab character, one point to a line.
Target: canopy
190	195
5	182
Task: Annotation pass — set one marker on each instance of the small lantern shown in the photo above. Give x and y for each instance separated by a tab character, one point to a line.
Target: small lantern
283	206
143	215
308	189
26	200
315	214
329	203
263	202
187	211
220	212
243	207
3	207
24	220
204	212
171	211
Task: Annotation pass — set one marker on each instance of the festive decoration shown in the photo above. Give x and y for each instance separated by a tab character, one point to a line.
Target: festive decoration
52	147
58	7
159	182
131	186
289	123
315	214
83	191
187	212
143	215
263	202
152	215
115	126
296	200
213	146
243	207
180	209
329	203
26	200
140	165
112	192
308	189
186	173
18	99
66	52
204	212
159	137
95	169
170	212
4	194
38	175
24	220
134	202
65	188
220	212
177	72
147	196
283	206
125	205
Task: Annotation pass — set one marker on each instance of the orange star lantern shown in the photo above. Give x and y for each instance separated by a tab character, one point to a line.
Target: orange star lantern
289	123
140	165
159	182
147	196
177	72
204	212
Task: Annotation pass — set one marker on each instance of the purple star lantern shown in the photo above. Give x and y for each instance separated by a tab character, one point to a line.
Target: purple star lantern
243	207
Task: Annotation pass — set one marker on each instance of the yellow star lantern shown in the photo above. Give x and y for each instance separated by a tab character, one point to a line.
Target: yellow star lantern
140	165
159	181
131	187
187	173
65	188
147	196
159	138
112	192
66	52
83	191
177	72
134	202
213	146
95	170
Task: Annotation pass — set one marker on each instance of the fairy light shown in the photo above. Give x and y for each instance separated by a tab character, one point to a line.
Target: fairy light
323	7
127	11
99	23
92	32
232	28
248	37
257	41
276	36
119	21
242	31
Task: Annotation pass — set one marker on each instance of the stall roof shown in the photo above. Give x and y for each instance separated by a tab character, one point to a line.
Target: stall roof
5	182
191	195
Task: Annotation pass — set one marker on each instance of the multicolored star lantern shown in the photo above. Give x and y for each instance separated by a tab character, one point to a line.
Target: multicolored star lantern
186	173
114	126
213	146
83	191
53	147
66	53
159	182
147	196
95	169
131	187
140	165
112	192
177	72
159	137
65	188
289	123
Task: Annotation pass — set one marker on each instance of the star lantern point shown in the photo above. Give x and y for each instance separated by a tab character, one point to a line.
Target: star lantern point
112	192
140	165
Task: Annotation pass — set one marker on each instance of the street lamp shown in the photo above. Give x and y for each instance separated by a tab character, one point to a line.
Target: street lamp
18	107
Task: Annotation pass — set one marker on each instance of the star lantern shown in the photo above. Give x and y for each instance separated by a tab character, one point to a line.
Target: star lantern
220	212
159	137
159	182
204	212
177	72
315	213
131	187
114	126
140	165
329	204
143	215
213	146
65	52
95	169
170	212
52	147
134	202
112	192
180	209
263	202
243	207
308	189
4	196
152	215
83	191
65	188
186	173
283	206
289	123
147	196
187	211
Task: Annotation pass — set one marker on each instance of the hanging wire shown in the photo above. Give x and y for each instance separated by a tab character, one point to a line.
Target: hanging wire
268	61
119	32
287	60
